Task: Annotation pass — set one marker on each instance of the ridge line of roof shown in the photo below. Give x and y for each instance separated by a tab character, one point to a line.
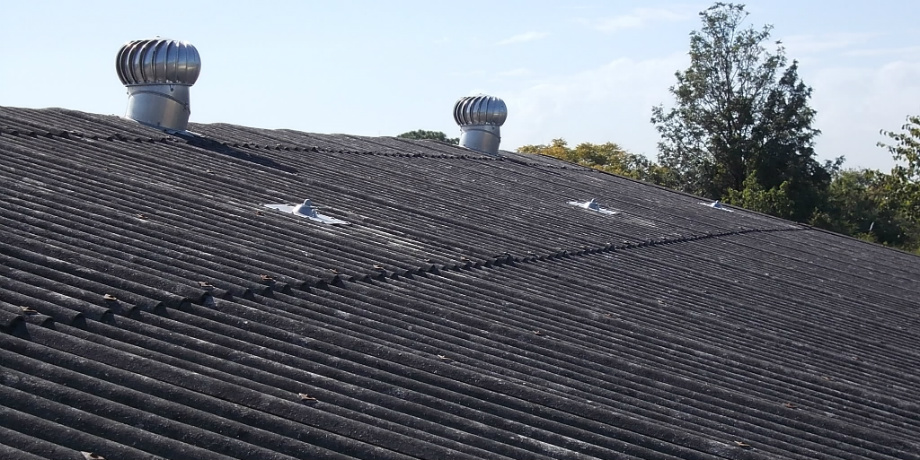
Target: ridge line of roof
196	140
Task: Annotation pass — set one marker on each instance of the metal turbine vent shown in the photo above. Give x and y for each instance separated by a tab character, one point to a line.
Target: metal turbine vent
479	118
158	73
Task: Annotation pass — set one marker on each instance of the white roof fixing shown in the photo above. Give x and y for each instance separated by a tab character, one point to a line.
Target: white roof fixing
717	205
592	206
307	211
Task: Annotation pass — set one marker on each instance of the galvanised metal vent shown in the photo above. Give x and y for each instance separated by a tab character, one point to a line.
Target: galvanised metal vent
158	73
480	118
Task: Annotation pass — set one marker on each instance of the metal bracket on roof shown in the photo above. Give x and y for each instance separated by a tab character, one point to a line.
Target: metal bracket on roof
593	206
717	205
307	211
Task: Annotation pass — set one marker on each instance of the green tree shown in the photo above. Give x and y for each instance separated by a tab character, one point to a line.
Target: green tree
432	135
898	193
863	203
741	129
905	182
608	157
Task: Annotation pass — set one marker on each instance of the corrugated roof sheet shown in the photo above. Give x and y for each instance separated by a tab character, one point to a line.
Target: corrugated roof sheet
150	307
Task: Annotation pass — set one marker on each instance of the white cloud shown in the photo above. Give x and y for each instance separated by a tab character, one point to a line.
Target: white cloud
877	52
519	72
639	17
613	103
854	103
798	45
475	73
610	103
523	38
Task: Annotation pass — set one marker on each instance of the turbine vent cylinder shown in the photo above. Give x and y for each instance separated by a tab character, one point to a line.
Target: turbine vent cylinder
158	73
479	118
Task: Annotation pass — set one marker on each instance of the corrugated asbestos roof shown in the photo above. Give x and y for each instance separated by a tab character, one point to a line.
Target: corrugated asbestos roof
151	307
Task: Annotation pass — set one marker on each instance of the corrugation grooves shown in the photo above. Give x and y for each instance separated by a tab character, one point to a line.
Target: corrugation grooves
479	325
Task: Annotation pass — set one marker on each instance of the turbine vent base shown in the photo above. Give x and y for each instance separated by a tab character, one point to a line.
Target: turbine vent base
159	106
482	138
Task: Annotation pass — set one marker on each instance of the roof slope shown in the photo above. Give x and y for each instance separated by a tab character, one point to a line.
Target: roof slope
152	307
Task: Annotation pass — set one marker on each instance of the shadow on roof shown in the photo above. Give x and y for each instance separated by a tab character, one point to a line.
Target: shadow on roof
223	149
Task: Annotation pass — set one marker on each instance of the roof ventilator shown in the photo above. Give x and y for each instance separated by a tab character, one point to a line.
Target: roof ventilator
480	118
158	74
592	205
307	211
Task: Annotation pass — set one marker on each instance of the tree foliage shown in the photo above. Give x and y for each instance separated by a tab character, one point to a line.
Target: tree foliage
741	128
862	203
879	207
608	157
431	135
905	176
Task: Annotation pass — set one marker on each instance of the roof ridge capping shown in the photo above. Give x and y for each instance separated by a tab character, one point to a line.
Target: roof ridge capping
158	73
480	118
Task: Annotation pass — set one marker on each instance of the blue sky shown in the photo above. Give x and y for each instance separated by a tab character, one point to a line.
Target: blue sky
583	70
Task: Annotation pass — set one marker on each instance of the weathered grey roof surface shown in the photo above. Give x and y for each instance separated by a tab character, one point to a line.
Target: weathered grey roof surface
150	306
